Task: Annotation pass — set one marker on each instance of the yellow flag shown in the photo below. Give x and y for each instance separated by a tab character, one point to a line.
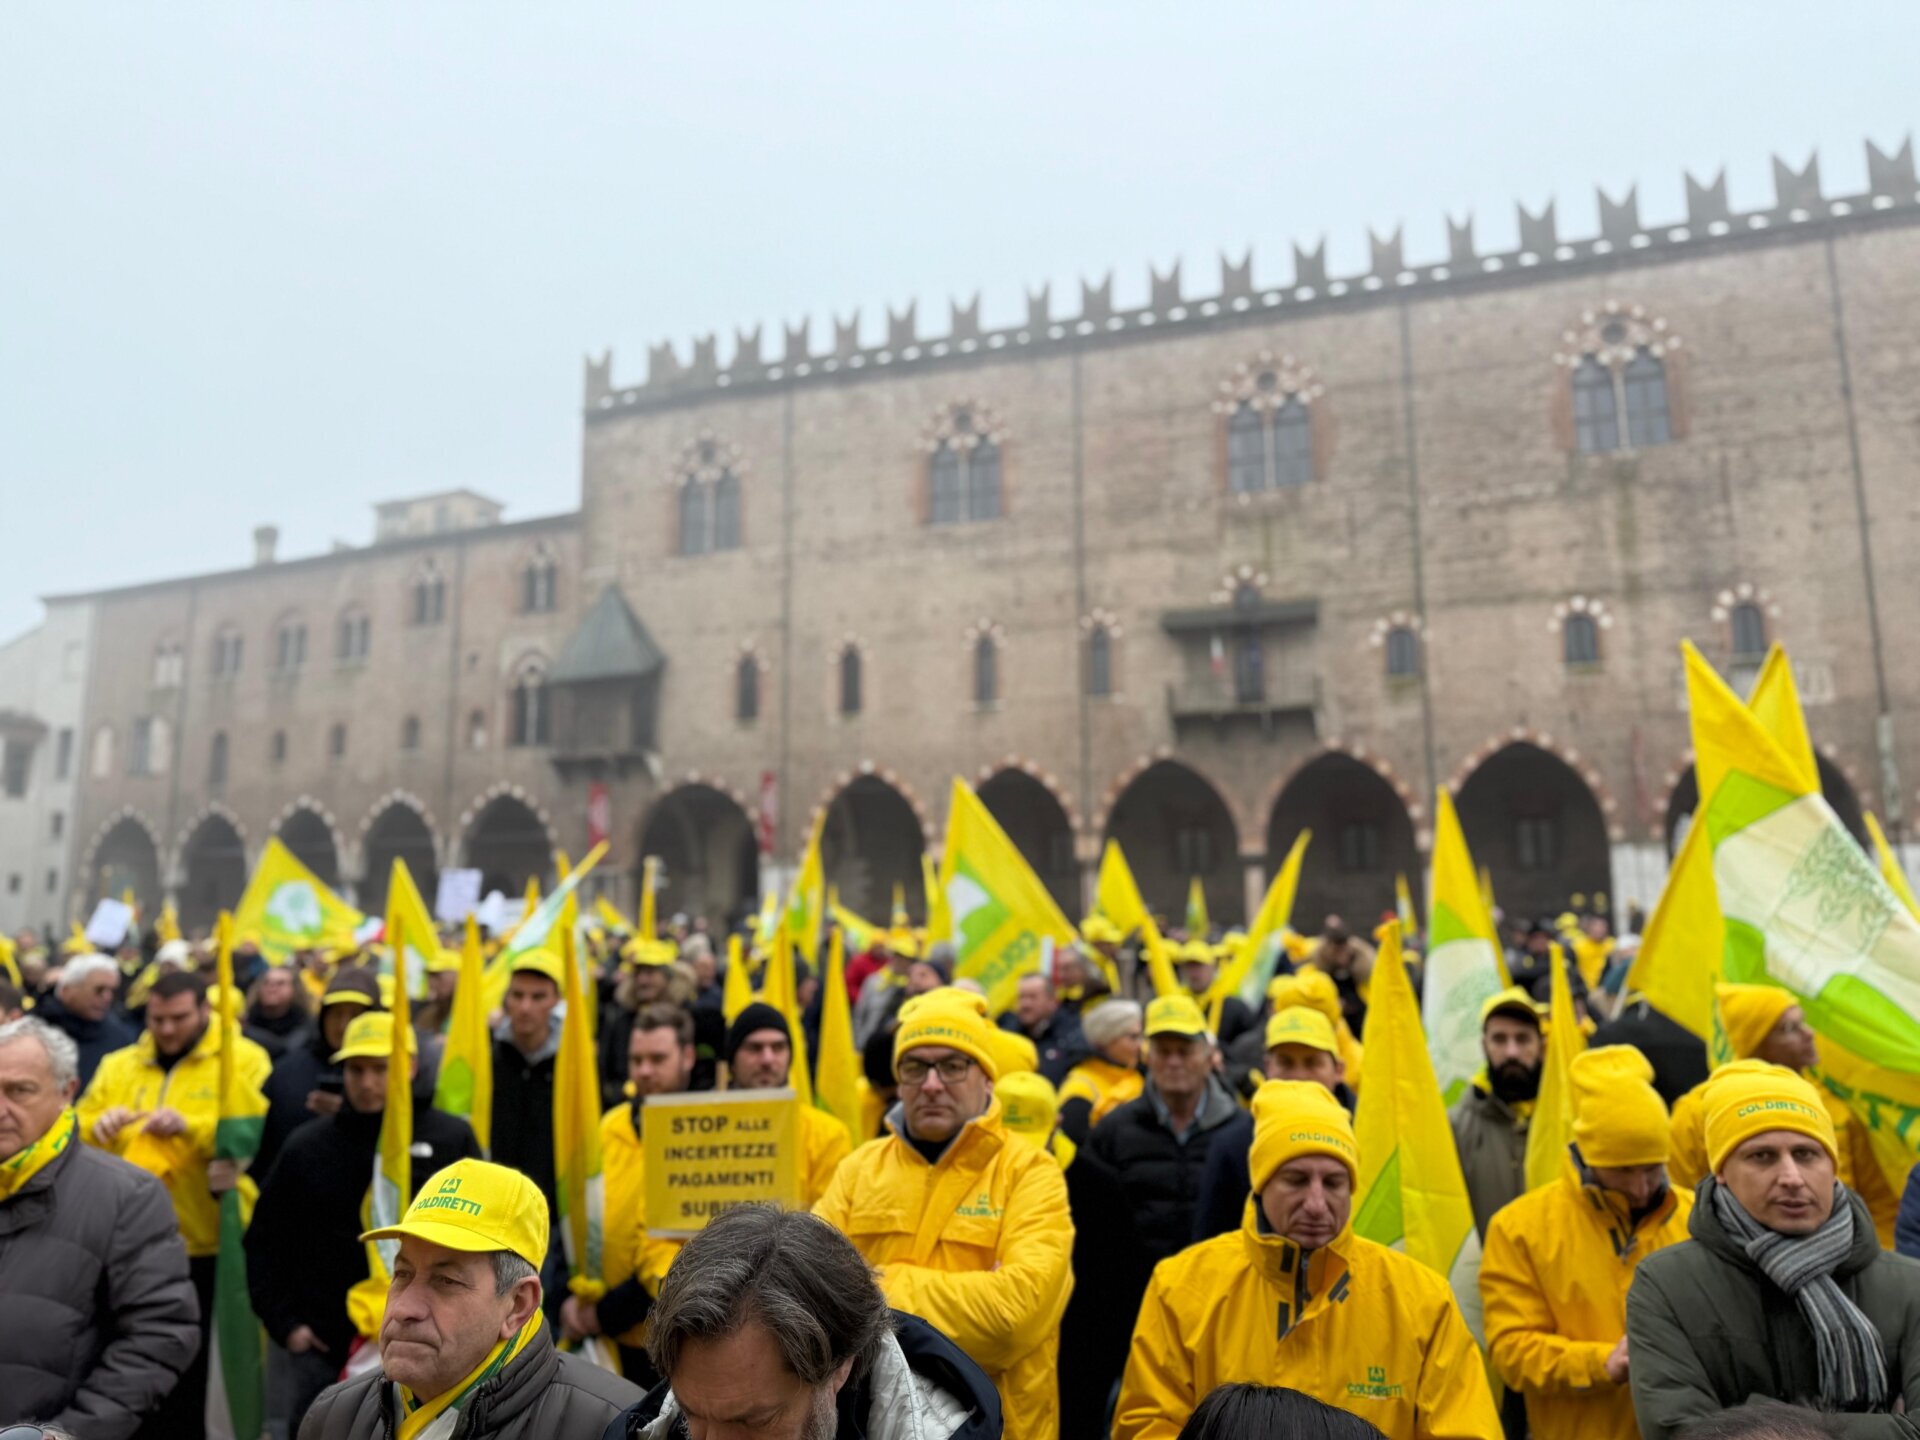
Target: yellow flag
860	934
8	967
576	1136
610	916
1197	923
777	990
1679	959
410	932
1890	870
939	918
1486	890
1118	898
288	907
167	927
392	1183
1551	1129
649	884
1403	904
1410	1193
1464	965
900	918
807	902
1258	955
838	1089
465	1083
736	991
1001	911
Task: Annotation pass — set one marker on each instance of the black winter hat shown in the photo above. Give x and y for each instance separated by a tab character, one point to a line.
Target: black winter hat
755	1017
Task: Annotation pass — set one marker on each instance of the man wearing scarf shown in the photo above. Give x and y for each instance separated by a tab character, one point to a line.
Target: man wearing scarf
1785	1293
464	1349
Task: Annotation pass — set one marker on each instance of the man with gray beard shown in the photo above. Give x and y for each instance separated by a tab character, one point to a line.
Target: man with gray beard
771	1322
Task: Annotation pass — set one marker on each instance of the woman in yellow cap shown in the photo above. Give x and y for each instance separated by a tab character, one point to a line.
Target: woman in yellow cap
1785	1292
1295	1298
1560	1260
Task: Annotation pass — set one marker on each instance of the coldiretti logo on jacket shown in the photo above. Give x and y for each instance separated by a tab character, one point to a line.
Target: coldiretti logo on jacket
981	1207
1375	1386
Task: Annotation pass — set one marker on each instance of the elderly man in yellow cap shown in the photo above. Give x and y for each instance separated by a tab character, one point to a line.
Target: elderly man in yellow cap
1765	1022
968	1226
1295	1298
464	1350
1785	1292
1490	1121
1560	1259
1302	1044
303	1244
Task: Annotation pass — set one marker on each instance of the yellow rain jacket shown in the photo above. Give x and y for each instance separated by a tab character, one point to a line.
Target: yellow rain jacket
1553	1285
1857	1169
1103	1085
132	1077
1364	1328
978	1245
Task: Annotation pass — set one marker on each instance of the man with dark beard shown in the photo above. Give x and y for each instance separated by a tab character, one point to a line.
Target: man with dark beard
1490	1120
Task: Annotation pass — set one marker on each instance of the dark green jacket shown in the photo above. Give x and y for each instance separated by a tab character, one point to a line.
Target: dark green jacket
1706	1330
1492	1142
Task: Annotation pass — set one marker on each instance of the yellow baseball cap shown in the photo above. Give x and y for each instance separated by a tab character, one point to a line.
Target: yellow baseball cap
1029	1105
654	953
369	1037
441	961
904	942
540	962
1098	930
477	1207
1175	1015
1302	1025
1512	1001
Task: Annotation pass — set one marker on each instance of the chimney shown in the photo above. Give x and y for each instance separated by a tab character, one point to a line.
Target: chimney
265	538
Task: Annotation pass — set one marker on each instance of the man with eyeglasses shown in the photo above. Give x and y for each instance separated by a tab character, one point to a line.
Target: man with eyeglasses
968	1226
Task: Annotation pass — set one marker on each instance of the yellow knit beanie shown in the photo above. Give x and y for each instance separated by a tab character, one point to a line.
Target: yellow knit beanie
1749	1013
951	1020
1619	1118
1292	1118
1751	1097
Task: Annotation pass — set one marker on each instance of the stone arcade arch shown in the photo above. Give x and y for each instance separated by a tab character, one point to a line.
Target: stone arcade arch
1362	838
126	858
1037	823
872	842
508	843
1532	822
398	832
309	836
1173	825
213	870
709	854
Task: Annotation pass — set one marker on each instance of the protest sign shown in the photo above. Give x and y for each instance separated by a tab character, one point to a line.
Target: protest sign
709	1152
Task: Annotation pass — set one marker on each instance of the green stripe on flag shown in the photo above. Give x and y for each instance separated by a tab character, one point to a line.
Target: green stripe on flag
1740	801
1447	925
1380	1217
237	1394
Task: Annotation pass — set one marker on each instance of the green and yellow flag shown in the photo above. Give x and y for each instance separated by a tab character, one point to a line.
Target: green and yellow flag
465	1083
1464	966
1197	923
1117	897
939	918
1550	1130
1001	911
807	902
1403	905
1259	954
288	907
1410	1193
1890	870
237	1348
736	987
860	933
576	1136
777	989
837	1087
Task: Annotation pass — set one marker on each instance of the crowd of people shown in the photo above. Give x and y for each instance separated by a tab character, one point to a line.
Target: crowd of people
1103	1212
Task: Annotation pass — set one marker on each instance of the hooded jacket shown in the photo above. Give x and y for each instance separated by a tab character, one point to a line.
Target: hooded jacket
1353	1324
541	1395
1093	1090
99	1317
133	1077
523	1108
1491	1136
978	1244
921	1387
1706	1330
303	1246
1553	1288
295	1076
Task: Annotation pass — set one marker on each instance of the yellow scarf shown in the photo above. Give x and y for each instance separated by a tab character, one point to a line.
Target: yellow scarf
17	1170
416	1417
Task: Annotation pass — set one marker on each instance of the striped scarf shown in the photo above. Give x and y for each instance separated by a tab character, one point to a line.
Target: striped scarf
1853	1371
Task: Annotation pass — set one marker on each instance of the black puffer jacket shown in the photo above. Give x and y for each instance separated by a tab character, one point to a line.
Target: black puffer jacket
97	1315
95	1038
296	1075
1159	1175
542	1395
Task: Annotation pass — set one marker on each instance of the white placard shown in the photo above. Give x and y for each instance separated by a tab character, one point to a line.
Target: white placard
457	897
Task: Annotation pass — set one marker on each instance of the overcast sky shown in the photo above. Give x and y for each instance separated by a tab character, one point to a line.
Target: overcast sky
275	262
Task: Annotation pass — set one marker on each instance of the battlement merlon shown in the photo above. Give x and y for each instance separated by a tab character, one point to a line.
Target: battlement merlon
1710	221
